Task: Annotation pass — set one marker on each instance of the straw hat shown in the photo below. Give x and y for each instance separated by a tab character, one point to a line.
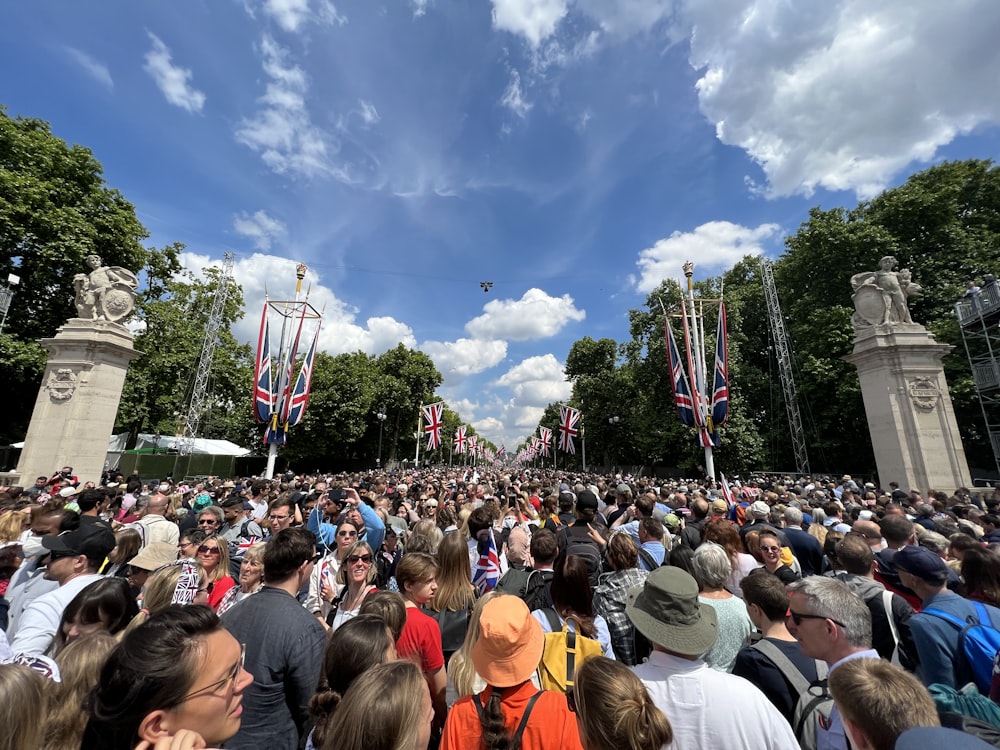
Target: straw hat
510	643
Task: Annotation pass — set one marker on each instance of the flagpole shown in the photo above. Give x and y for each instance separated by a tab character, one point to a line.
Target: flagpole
420	425
699	363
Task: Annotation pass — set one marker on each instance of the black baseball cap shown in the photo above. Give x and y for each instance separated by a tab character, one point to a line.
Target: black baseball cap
93	540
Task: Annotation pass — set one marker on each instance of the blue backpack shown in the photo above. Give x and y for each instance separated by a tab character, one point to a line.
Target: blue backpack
979	641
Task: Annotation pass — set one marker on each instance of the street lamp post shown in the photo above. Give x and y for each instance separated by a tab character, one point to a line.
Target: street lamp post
381	416
613	420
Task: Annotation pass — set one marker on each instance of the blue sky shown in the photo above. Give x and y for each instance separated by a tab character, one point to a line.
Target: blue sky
573	152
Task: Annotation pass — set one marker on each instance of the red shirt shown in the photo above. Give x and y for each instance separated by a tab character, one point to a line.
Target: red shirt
420	641
218	590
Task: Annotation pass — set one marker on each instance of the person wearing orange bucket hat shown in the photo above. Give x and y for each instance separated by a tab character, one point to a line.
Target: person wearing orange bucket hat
511	711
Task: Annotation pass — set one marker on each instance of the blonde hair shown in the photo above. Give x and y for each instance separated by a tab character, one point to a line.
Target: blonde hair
158	593
415	567
428	528
23	706
382	710
614	710
255	553
12	523
80	667
461	670
882	700
454	577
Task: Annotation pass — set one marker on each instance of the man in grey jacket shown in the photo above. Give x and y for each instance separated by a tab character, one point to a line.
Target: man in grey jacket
284	647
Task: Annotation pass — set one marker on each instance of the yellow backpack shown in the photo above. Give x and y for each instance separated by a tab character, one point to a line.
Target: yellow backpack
564	650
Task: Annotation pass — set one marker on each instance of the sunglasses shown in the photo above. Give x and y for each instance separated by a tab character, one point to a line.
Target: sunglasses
206	550
798	617
352	559
347	533
770	549
60	555
207	522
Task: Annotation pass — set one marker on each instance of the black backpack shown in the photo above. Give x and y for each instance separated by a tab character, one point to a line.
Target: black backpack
533	587
586	549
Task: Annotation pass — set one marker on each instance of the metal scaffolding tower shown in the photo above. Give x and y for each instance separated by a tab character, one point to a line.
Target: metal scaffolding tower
784	355
199	393
979	321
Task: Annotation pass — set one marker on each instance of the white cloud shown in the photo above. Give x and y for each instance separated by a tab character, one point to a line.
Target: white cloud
845	94
513	98
536	315
537	381
282	131
290	15
623	18
419	7
340	333
96	70
464	357
536	20
368	112
173	81
259	227
716	245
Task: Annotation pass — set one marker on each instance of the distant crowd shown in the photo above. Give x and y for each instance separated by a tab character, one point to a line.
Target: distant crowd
497	608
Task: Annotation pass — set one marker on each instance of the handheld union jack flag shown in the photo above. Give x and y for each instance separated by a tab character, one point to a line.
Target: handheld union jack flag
678	379
433	415
727	491
300	394
263	403
546	435
569	420
486	573
460	440
720	392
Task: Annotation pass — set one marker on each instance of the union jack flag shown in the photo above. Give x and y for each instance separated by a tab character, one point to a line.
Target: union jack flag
678	379
569	421
433	415
720	393
486	573
472	444
727	491
697	397
546	435
283	395
501	451
263	400
300	394
460	440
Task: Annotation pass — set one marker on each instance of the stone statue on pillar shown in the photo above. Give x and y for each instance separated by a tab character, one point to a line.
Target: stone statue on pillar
88	358
910	417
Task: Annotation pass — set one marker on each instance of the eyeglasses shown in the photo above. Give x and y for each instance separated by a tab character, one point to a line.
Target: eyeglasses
798	617
347	533
352	559
206	550
232	677
570	700
278	518
770	549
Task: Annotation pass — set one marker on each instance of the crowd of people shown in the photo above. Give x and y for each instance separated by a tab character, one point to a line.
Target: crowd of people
497	608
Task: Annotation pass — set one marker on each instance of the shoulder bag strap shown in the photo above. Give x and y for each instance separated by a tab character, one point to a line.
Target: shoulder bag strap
478	703
945	616
570	651
515	741
887	605
553	617
791	673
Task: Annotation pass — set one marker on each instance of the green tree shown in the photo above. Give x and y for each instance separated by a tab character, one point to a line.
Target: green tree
410	379
55	209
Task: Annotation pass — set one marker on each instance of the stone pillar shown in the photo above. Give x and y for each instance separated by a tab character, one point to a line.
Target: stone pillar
910	416
77	402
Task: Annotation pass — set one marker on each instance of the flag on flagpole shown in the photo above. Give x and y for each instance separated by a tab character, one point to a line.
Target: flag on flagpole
433	416
303	384
472	444
283	396
263	403
460	440
678	379
569	420
486	573
546	436
720	391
